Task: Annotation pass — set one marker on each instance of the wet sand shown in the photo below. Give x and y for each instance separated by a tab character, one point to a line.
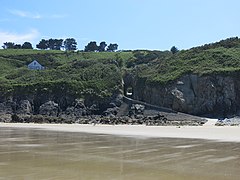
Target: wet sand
208	132
29	153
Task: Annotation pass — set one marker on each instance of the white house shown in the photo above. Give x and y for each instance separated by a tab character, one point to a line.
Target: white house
35	66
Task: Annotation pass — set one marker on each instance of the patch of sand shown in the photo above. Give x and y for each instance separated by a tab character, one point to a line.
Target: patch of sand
225	133
210	122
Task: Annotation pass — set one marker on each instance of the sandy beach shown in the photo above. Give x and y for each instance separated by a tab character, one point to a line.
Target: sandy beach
209	132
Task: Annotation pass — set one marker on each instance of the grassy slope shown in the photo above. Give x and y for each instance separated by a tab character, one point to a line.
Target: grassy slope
82	72
99	73
212	60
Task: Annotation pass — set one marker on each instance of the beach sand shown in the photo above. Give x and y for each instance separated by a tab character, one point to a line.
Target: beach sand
209	132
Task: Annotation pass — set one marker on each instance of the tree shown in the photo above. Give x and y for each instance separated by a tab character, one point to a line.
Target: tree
58	44
52	44
102	46
70	44
17	46
8	45
91	47
27	45
112	47
43	44
174	50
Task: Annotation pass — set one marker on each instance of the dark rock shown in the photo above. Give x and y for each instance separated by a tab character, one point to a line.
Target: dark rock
111	112
216	95
112	105
16	119
118	100
138	116
93	109
6	118
234	121
136	109
49	108
79	104
24	107
7	107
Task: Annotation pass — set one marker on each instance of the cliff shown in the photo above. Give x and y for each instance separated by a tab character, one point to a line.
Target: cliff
200	81
207	95
73	84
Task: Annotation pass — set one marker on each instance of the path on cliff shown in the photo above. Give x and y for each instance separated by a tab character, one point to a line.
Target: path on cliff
154	110
127	103
131	101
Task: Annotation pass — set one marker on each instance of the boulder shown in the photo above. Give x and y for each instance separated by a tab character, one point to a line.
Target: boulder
138	108
112	112
6	118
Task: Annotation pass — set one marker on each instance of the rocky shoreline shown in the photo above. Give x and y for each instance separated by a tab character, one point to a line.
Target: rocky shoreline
116	112
155	120
113	112
234	121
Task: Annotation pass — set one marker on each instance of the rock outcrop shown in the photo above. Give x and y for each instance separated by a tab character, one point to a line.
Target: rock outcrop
66	109
25	107
77	110
7	107
209	95
213	95
49	108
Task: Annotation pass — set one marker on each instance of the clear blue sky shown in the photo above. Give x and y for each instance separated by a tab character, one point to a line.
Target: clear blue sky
132	24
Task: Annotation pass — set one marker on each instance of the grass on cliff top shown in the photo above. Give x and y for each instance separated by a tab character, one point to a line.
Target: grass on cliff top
162	70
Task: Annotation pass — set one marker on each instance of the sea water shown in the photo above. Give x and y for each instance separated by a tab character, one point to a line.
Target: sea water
29	154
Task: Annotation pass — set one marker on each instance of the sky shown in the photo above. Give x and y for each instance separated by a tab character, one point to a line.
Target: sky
132	24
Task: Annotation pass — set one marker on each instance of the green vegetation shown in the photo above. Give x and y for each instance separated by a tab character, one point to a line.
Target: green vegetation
77	73
100	73
216	58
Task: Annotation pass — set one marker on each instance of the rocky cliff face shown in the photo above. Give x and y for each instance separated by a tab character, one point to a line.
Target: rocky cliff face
209	95
212	95
54	105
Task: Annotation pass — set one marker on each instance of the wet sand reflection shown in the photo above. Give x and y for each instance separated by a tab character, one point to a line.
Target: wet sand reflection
39	154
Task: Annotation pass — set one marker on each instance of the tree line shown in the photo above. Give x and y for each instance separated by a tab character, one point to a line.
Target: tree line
11	45
69	44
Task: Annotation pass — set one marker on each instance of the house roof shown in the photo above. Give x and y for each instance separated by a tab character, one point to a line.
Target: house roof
35	65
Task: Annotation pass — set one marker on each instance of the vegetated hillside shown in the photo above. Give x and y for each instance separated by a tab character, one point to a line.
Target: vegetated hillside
100	72
163	67
74	73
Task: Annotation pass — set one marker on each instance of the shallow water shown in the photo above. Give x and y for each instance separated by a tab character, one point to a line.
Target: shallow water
37	154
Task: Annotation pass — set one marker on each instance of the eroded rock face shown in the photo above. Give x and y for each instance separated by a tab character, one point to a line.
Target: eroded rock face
7	107
49	108
200	95
77	110
24	107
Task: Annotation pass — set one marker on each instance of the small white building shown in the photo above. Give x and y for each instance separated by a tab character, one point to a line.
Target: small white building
35	65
